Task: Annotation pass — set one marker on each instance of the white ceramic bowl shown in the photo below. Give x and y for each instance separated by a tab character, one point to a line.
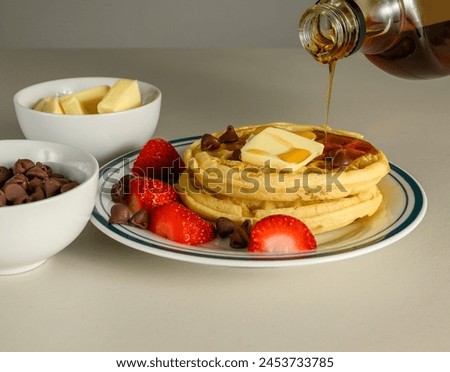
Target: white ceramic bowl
32	232
105	136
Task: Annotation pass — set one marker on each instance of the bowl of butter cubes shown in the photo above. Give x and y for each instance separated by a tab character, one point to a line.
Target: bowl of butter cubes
104	116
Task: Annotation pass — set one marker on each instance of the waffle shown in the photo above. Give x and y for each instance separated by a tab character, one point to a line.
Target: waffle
324	195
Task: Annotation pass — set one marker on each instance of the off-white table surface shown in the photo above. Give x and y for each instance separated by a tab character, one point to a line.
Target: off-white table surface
99	295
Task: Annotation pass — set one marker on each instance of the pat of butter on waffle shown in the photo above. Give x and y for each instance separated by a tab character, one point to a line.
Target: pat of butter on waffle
284	150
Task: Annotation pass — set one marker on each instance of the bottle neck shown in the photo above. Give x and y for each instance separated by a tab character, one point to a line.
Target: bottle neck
332	30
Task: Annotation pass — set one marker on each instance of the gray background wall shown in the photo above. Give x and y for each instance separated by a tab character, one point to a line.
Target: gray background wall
149	23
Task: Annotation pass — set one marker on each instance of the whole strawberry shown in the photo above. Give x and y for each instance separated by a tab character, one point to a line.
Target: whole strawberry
159	159
281	234
176	222
148	193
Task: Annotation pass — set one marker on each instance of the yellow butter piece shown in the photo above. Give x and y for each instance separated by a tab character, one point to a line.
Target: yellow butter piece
72	106
40	105
280	149
123	95
90	98
53	106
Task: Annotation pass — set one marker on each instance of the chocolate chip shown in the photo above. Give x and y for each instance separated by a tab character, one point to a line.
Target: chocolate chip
209	142
119	214
61	180
13	191
2	198
37	172
247	226
38	194
68	186
116	193
22	165
121	189
33	184
229	136
140	219
239	238
18	179
21	199
51	186
341	159
126	180
5	174
46	168
236	155
224	227
27	181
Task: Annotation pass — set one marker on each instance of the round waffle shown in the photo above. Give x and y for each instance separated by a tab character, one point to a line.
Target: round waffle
319	216
327	193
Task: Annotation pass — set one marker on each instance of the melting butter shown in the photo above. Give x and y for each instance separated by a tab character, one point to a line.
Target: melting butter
280	149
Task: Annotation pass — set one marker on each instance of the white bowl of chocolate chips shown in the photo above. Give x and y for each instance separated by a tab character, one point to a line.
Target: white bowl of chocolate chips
47	193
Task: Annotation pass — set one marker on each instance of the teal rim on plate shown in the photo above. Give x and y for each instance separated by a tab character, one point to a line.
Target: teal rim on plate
404	207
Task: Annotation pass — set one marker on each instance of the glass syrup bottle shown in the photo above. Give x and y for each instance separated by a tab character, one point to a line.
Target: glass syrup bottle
406	38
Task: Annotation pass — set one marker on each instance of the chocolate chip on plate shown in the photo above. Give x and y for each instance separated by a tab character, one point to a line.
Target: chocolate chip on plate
229	136
209	142
341	159
121	189
236	155
140	219
247	226
119	214
116	193
224	227
239	238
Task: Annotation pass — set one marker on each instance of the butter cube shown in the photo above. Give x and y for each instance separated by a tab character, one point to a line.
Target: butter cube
90	98
39	106
53	106
123	95
280	149
72	105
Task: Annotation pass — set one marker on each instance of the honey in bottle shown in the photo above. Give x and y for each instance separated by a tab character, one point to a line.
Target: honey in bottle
406	38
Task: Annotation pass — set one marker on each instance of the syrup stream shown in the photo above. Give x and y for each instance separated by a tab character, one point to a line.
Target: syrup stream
331	69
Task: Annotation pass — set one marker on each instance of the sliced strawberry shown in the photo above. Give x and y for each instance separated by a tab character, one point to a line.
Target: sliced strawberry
159	159
281	234
176	222
148	193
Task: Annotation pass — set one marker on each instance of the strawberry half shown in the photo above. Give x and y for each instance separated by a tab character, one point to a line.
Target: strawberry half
159	159
281	234
148	193
176	222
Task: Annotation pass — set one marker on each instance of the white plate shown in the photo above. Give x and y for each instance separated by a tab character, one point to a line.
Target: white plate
404	205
